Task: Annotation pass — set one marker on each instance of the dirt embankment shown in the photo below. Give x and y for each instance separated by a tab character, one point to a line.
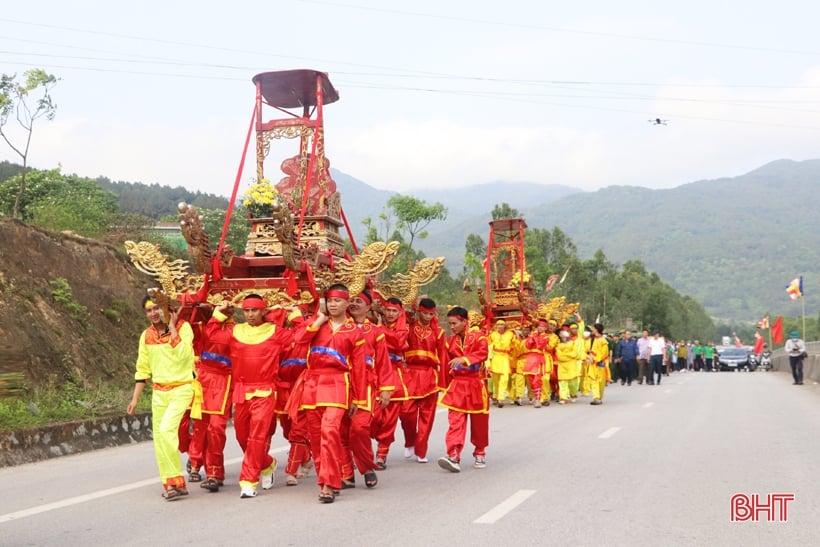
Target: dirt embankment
69	308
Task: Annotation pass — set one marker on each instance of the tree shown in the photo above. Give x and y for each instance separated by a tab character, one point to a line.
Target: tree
414	215
14	99
504	211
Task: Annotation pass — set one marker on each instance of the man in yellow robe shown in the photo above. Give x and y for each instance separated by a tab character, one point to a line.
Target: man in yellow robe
598	373
502	344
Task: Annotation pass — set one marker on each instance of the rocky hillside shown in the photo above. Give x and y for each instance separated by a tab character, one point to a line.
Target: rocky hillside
69	308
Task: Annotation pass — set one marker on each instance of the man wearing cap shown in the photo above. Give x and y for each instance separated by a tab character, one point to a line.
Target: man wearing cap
426	352
334	380
466	392
166	355
501	343
255	350
395	337
795	348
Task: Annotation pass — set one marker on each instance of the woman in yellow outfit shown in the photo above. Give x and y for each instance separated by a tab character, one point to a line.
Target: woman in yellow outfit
598	373
502	344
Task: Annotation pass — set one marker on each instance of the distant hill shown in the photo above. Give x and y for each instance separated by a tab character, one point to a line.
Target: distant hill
731	243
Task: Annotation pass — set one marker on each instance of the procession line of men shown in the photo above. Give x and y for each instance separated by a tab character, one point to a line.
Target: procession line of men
334	382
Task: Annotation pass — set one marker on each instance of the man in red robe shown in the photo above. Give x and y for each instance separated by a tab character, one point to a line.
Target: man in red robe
395	336
255	350
466	393
425	354
334	379
356	441
213	371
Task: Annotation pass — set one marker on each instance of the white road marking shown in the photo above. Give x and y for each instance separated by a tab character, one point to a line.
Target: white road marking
496	513
609	432
647	405
76	500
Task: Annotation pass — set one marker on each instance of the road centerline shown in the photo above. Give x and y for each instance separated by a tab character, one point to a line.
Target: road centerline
499	511
609	432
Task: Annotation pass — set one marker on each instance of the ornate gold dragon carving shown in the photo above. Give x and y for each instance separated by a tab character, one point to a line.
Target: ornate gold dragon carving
190	222
405	287
173	276
374	259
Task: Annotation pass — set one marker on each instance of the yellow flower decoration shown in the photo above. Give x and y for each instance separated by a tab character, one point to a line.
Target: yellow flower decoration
260	197
514	282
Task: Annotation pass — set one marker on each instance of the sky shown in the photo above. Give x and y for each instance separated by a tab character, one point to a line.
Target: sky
434	94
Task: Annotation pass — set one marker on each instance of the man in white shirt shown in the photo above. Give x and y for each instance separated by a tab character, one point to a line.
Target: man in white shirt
643	359
656	347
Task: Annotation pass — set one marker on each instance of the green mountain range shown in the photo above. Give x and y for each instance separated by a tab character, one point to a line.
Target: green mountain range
732	243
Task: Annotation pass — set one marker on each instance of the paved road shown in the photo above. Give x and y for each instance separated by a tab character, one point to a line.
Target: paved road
654	465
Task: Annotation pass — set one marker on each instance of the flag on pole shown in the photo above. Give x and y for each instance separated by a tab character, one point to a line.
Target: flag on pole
795	288
763	323
777	330
758	343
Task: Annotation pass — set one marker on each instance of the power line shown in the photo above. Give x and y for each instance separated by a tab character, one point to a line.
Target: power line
559	29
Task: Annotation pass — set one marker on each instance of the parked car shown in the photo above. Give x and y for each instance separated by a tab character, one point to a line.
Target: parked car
734	359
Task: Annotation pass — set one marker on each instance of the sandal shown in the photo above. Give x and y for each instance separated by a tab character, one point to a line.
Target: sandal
210	484
348	483
194	476
370	479
381	464
174	493
327	497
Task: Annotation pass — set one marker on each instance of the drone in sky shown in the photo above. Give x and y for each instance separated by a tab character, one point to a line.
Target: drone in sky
658	121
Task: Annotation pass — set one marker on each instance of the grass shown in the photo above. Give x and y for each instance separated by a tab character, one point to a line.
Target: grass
65	403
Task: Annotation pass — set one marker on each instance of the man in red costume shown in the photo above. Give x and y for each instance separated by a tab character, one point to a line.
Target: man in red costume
334	379
213	370
395	336
294	429
466	393
426	351
255	350
356	429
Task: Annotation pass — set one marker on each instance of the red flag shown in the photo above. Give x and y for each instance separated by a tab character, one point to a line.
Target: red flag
758	343
777	330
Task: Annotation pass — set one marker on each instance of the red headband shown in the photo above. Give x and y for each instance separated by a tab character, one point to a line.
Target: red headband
393	305
253	303
338	293
425	309
365	297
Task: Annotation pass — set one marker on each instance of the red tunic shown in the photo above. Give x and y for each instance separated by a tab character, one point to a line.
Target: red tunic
336	374
376	361
425	355
213	370
293	364
396	342
255	353
467	390
535	345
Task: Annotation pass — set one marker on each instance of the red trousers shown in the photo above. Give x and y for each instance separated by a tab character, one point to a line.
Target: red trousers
386	432
296	432
417	417
252	424
356	445
324	425
208	444
479	433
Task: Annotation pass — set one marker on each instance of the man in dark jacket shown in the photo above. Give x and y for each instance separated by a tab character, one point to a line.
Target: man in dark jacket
628	357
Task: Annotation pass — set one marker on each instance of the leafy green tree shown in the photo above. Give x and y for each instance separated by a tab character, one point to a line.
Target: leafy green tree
414	215
16	99
474	257
504	211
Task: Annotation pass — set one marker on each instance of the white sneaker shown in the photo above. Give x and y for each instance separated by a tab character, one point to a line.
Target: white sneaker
268	477
421	460
247	492
480	463
449	464
409	451
291	480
